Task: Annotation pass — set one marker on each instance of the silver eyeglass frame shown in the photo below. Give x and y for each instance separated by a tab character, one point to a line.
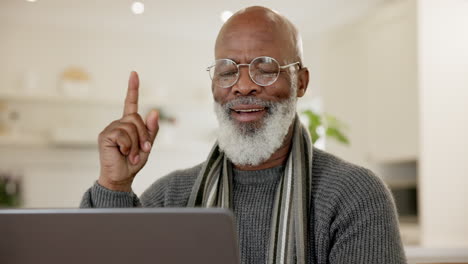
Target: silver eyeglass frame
250	74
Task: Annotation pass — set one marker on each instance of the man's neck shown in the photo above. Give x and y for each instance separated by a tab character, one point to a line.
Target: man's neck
278	158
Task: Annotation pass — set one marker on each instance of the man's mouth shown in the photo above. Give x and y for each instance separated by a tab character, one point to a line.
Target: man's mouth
247	113
248	110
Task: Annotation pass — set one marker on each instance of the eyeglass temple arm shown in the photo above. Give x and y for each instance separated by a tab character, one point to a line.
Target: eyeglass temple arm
291	64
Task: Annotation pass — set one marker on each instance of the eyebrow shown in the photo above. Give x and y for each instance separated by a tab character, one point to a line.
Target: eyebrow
233	59
238	61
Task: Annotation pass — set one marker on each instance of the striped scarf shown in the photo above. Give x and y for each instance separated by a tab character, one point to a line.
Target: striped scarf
289	223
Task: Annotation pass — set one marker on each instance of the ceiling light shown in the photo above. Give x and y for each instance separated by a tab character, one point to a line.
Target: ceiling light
138	8
225	15
31	1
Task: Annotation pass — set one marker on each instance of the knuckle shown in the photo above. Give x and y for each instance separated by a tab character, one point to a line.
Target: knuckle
134	128
129	126
121	133
106	133
113	124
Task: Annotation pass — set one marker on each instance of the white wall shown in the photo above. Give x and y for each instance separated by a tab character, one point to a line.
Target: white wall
443	76
368	79
342	69
172	75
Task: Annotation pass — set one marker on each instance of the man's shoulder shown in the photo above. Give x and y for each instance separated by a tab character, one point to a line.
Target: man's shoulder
327	162
341	189
339	177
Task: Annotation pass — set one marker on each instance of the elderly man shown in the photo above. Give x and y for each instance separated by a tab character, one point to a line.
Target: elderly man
292	202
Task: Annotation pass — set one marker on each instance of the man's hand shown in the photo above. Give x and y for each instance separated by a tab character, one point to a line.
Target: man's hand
125	144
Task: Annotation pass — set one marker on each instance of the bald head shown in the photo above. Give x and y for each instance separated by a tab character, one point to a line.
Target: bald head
265	26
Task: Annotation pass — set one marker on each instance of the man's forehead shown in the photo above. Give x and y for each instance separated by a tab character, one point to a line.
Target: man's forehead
257	31
247	39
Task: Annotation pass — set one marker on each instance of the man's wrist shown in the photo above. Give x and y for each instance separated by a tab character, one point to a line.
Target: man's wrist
122	186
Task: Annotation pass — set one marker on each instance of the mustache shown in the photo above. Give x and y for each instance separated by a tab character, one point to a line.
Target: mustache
248	100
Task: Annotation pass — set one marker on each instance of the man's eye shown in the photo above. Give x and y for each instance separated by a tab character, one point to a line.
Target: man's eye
267	72
227	74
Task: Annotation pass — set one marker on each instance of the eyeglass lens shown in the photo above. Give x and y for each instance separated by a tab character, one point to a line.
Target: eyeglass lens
263	71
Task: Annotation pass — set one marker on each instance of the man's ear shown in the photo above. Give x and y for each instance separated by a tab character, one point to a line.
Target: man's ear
302	81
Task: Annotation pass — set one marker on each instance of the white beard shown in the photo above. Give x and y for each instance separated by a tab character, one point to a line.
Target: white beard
253	144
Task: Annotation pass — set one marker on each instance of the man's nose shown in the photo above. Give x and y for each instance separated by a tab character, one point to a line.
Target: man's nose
244	85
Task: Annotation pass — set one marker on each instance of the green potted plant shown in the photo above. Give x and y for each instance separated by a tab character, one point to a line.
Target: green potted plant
9	191
333	128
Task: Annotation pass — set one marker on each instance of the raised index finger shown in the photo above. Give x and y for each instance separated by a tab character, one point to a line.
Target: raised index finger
131	100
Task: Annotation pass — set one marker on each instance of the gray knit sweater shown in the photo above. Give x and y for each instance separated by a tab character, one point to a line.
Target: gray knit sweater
353	214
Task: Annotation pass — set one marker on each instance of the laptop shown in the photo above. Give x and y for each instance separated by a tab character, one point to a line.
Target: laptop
118	236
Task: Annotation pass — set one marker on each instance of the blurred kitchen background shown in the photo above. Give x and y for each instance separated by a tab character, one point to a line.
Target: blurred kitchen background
395	72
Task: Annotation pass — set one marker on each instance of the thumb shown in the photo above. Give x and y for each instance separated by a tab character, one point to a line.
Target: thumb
152	124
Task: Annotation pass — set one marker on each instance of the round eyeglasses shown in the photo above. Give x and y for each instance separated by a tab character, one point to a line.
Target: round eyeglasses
263	71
